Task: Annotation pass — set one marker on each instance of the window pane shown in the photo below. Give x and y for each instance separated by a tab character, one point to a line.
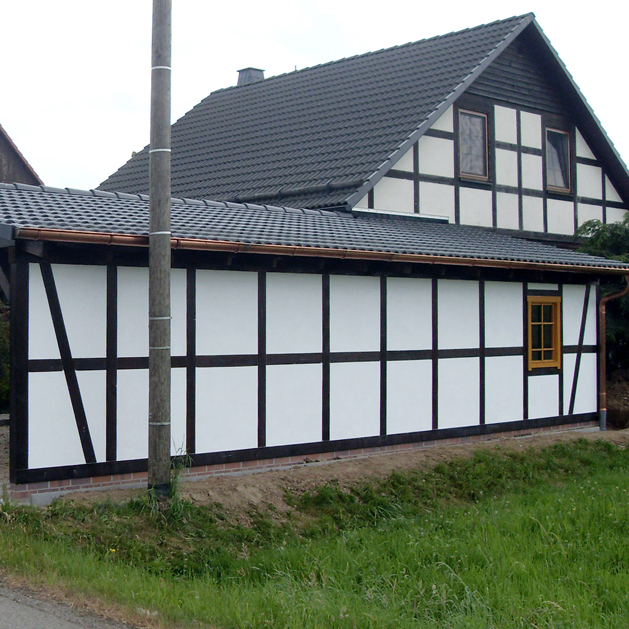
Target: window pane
473	143
548	336
557	159
537	355
536	334
536	313
548	313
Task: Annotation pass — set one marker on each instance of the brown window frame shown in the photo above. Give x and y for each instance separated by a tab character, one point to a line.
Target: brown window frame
555	330
568	160
462	173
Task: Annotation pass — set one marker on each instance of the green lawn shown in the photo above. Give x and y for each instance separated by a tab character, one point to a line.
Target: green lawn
537	539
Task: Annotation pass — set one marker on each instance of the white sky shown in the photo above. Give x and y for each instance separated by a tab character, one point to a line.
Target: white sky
75	73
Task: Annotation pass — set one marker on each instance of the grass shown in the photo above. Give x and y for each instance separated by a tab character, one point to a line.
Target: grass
534	539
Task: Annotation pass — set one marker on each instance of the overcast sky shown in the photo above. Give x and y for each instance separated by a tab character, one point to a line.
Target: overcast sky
76	73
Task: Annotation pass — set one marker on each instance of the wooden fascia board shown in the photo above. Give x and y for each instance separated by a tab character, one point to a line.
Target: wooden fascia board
100	238
397	155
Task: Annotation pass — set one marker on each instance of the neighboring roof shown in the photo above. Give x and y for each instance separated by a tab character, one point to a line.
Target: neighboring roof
311	138
29	169
41	213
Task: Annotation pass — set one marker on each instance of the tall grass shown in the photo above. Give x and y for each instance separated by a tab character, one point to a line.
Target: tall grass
537	539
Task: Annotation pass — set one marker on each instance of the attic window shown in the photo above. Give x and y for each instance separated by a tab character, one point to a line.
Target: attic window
557	160
473	145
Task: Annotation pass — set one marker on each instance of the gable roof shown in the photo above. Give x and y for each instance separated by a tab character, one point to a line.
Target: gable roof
323	136
63	215
28	174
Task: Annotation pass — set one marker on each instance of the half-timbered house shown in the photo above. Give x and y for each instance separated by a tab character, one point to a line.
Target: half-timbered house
13	165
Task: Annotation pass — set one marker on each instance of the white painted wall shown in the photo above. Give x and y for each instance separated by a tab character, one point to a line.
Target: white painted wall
503	314
503	389
42	342
531	129
615	215
293	313
543	396
178	381
459	392
436	156
436	199
354	400
445	122
560	216
532	172
589	181
405	163
506	168
133	311
227	312
227	408
611	194
587	212
409	396
409	313
505	120
133	412
178	313
475	207
458	314
293	398
354	313
585	401
507	211
395	195
582	148
573	297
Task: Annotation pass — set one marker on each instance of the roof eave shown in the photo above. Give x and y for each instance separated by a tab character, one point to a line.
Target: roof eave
130	240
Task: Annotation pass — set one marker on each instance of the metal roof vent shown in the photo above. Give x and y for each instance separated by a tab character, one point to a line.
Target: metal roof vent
250	75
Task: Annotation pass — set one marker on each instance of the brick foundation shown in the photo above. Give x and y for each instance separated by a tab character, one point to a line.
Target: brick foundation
43	493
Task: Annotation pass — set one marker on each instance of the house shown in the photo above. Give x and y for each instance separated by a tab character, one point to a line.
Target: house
484	126
13	166
351	323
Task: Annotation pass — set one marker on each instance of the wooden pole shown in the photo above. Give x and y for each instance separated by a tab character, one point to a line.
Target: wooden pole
159	253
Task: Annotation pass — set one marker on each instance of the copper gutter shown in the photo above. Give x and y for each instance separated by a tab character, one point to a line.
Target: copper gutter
71	236
602	355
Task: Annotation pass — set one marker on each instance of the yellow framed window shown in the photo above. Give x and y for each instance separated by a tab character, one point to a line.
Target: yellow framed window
544	345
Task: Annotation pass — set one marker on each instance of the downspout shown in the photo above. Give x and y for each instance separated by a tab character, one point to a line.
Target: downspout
602	374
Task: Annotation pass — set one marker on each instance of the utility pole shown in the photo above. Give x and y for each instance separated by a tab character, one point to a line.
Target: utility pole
159	252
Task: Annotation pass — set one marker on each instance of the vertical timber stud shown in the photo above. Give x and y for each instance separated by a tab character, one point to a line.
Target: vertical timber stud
159	252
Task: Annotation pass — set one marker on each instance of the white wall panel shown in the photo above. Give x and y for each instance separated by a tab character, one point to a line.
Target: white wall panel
589	181
409	313
227	409
42	342
436	156
507	211
405	163
293	404
582	148
532	214
531	129
543	396
82	294
133	311
354	313
504	377
445	122
227	312
133	411
293	313
560	217
588	212
505	120
354	400
51	415
611	194
396	195
178	380
475	207
573	297
532	175
363	203
541	286
459	392
586	397
503	314
506	168
615	215
436	199
178	311
409	396
458	314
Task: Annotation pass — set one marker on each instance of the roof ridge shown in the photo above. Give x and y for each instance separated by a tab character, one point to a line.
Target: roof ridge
519	18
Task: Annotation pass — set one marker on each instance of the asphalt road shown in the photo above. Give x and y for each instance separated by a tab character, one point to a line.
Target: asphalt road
20	609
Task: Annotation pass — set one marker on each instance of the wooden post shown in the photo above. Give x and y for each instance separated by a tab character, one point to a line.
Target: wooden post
160	253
